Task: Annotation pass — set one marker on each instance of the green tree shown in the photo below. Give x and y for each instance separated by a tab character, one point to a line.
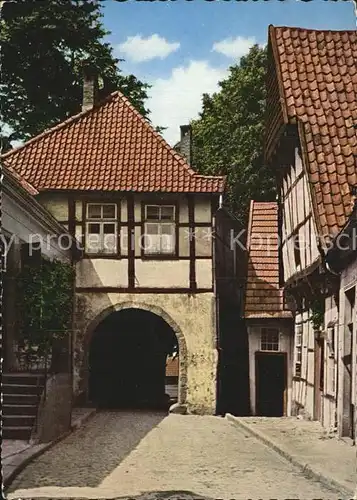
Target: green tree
44	44
228	136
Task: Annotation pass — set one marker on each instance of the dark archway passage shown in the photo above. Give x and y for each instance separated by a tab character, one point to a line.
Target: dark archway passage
127	360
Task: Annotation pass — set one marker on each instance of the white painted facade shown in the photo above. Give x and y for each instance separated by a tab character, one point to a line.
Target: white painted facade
347	353
297	221
314	379
103	283
285	346
27	221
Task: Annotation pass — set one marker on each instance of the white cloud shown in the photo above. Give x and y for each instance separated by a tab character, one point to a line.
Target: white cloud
234	47
177	100
138	49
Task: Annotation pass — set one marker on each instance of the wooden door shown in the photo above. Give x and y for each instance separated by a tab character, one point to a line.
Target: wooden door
271	384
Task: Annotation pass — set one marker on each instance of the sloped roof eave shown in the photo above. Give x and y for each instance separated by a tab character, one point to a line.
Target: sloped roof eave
110	147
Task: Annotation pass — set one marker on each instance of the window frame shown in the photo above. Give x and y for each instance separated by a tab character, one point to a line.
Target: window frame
102	221
174	223
298	351
267	342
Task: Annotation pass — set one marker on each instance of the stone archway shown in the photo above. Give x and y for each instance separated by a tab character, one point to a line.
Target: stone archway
158	311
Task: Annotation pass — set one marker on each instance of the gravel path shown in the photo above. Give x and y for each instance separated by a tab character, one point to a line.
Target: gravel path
151	455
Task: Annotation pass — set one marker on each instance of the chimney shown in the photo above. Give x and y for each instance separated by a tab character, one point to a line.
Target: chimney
186	142
90	86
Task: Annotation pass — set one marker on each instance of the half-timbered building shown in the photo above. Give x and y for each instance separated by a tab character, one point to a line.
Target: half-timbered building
146	285
269	322
341	259
311	142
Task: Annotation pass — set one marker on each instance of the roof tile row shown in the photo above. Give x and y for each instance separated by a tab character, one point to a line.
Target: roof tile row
111	148
317	71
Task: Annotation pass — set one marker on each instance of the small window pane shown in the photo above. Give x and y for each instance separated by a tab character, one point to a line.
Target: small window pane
167	213
109	228
269	339
152	243
167	229
94	211
152	212
94	228
93	243
152	229
109	212
109	243
167	243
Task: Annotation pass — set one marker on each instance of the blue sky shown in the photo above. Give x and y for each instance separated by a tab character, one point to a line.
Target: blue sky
183	48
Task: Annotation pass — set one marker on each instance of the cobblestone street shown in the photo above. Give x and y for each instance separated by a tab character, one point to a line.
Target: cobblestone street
152	455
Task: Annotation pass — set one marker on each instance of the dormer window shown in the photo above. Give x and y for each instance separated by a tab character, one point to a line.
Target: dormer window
159	230
101	228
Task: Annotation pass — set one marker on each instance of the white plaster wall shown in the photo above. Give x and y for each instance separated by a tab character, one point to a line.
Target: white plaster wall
24	226
202	211
162	273
329	405
285	343
198	331
296	208
79	210
102	272
310	342
303	389
124	210
183	212
184	242
348	280
56	204
203	241
204	273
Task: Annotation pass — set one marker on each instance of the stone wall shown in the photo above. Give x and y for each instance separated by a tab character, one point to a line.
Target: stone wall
54	413
192	317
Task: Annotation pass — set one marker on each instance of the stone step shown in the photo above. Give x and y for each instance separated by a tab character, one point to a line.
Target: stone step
21	409
21	389
23	378
18	420
20	399
22	433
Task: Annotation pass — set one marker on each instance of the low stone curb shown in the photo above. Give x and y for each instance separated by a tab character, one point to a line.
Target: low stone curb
29	454
305	467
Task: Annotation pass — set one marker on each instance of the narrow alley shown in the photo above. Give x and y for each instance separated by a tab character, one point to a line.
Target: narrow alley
152	455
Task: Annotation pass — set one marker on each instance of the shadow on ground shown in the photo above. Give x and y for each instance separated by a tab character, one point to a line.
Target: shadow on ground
90	454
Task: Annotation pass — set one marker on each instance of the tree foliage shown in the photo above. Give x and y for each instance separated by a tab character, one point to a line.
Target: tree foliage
45	301
228	136
44	45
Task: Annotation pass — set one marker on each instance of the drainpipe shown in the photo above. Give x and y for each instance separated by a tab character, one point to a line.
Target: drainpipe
215	319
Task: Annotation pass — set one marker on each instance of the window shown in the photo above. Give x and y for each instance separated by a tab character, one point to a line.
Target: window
331	388
298	350
101	228
269	340
160	230
331	341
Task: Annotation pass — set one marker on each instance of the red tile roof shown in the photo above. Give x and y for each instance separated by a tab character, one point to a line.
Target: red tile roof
108	148
317	75
264	298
